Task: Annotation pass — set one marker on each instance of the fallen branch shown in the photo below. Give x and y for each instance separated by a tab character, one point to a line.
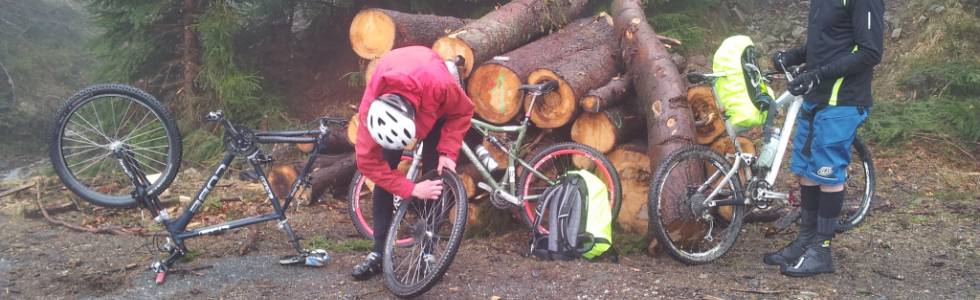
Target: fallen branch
669	40
762	292
10	80
17	189
943	139
116	230
52	210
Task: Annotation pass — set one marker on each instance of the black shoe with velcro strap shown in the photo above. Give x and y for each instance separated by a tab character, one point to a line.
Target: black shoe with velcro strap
368	268
818	258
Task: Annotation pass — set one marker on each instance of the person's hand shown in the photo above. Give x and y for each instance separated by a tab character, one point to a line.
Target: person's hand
427	190
447	163
781	59
805	83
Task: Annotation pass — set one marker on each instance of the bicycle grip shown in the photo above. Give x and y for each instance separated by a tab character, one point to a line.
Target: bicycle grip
215	116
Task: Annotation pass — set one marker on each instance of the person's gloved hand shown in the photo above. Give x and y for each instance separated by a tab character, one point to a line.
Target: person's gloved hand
780	59
805	83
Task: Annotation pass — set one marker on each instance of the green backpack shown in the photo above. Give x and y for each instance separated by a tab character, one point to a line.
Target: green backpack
742	91
580	204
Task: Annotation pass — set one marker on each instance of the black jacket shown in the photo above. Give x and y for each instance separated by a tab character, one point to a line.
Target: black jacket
845	40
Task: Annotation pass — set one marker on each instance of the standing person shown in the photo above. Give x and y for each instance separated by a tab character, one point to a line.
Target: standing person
413	93
844	43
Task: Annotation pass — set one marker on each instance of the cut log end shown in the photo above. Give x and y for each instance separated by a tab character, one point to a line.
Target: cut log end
372	33
590	103
595	130
709	124
451	47
494	91
556	108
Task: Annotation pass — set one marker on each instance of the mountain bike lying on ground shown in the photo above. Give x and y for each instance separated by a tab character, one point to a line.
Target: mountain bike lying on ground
117	146
414	258
716	189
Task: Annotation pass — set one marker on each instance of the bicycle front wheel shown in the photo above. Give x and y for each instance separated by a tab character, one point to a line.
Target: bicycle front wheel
435	229
101	120
556	160
685	226
859	188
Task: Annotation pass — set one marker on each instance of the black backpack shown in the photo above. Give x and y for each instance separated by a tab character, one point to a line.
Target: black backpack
567	238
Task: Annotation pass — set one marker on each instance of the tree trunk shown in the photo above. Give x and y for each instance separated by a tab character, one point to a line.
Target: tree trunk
335	177
708	121
608	95
374	32
189	49
470	176
333	143
661	96
633	165
506	28
493	86
604	130
576	73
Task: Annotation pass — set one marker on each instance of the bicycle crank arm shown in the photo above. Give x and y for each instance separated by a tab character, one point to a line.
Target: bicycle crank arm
775	195
499	193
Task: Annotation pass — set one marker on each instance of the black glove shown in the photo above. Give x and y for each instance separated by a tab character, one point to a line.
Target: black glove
805	83
781	59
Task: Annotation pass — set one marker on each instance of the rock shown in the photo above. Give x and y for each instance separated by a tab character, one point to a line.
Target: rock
799	32
938	8
922	19
897	33
184	199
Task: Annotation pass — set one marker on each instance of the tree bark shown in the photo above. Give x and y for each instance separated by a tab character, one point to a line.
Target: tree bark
335	177
661	96
604	130
189	49
708	121
374	32
506	28
609	95
493	86
576	73
633	165
332	143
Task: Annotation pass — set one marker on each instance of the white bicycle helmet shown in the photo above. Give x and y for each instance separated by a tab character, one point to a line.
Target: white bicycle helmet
391	122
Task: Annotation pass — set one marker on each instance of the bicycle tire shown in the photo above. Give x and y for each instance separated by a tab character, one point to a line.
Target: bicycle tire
56	151
660	232
850	221
452	189
356	201
611	176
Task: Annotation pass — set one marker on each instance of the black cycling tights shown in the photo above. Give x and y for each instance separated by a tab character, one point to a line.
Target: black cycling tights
383	201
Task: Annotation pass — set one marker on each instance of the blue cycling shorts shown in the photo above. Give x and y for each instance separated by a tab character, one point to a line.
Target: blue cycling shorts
834	129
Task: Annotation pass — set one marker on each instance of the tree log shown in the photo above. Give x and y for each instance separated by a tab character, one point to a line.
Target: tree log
336	177
724	146
470	176
506	28
333	143
662	100
374	32
352	129
609	95
576	73
493	86
604	130
708	121
633	165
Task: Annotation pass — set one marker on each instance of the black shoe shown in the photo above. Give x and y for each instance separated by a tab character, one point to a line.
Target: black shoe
368	268
792	252
816	260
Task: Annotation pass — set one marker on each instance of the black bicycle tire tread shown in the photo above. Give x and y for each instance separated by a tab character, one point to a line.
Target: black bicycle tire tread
70	104
655	226
538	155
456	238
865	154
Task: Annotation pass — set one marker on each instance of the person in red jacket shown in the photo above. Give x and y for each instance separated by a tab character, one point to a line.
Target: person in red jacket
413	93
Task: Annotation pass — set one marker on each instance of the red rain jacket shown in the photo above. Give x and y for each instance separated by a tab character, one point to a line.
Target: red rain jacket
419	75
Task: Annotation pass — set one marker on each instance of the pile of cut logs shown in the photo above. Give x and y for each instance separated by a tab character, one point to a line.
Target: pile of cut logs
619	89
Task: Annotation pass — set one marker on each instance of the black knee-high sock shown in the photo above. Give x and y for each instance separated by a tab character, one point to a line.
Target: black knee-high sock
383	205
810	197
830	204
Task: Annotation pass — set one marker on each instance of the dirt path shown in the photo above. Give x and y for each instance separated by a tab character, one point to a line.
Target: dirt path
927	246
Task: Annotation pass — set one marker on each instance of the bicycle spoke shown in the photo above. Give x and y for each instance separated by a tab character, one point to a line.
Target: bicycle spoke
94	129
125	118
96	160
142	134
81	152
138	126
150	149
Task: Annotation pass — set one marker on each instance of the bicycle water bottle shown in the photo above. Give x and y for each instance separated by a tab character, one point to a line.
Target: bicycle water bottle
769	151
484	155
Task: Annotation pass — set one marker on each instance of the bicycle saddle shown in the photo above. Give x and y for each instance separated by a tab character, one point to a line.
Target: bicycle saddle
543	88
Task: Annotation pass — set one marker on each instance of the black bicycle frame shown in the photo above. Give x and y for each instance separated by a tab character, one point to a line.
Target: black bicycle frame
177	228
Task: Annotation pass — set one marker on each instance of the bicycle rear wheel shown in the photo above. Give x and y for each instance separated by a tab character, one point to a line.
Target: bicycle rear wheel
859	188
97	122
684	226
435	229
556	160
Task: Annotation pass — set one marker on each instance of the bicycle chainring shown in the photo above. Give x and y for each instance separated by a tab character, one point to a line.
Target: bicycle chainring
757	190
243	144
499	202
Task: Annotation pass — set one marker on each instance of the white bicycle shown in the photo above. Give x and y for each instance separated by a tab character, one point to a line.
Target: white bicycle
699	197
